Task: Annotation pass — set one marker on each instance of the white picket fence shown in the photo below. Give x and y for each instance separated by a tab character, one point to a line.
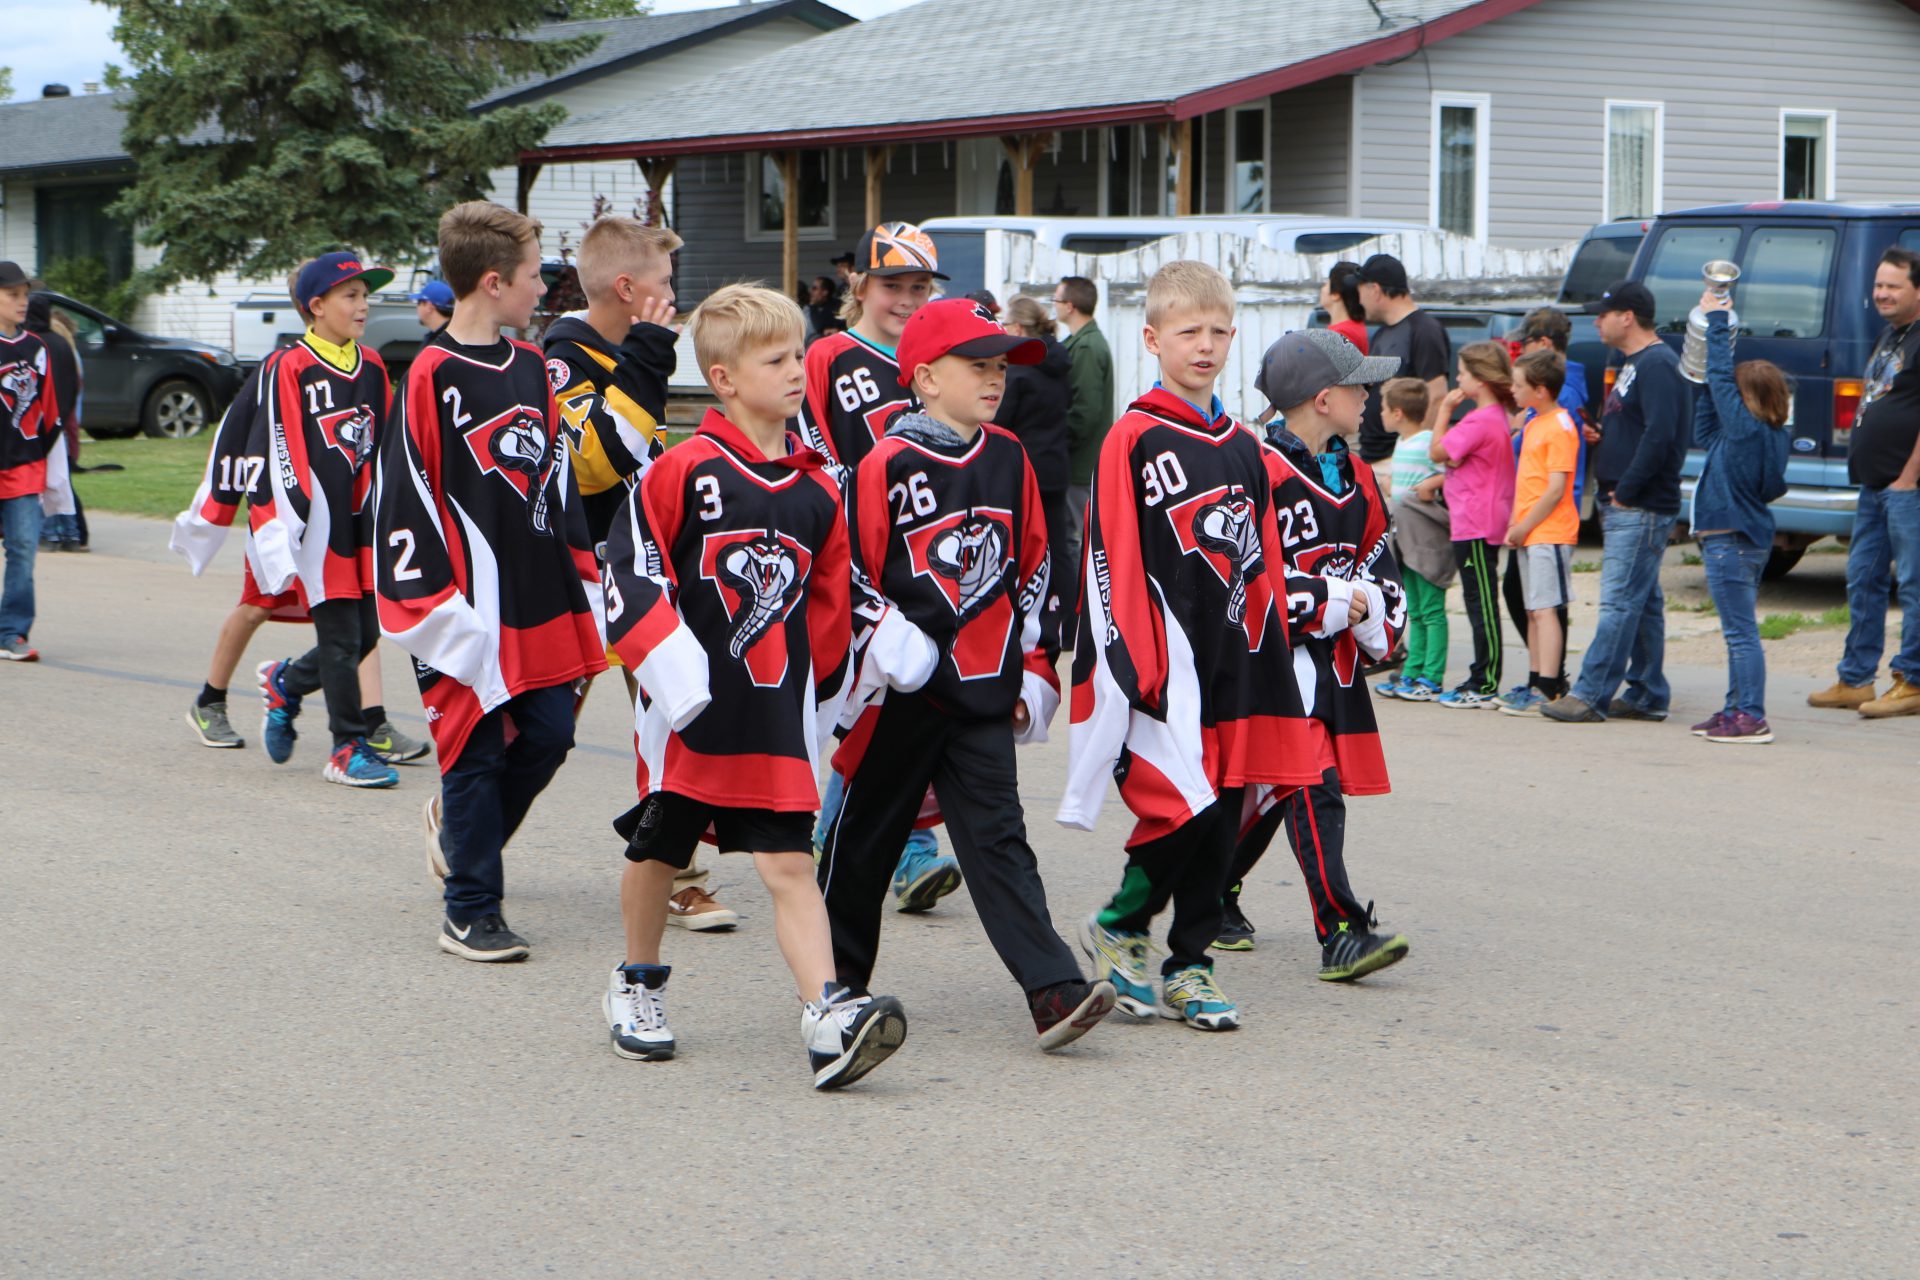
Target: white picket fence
1276	292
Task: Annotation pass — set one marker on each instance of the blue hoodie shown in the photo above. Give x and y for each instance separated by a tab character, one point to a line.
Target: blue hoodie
1746	458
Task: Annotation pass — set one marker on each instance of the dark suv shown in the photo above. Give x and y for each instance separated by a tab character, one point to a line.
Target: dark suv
136	382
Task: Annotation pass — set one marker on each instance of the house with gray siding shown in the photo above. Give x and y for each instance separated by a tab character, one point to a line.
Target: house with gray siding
1514	122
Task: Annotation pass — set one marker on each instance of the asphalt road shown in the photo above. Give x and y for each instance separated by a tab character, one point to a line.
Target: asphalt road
1656	1021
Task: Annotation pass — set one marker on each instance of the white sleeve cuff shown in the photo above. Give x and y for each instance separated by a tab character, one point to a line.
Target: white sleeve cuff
1339	598
1371	634
1041	701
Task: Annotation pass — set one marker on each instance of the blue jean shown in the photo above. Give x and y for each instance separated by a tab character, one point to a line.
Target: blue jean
20	522
487	791
1733	565
1886	544
1631	642
921	841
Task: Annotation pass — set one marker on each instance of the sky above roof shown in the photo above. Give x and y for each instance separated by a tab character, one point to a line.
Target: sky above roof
70	42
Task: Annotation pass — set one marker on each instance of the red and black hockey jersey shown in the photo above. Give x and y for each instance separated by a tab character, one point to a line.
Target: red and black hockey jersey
726	586
950	534
1182	677
33	445
853	392
1336	547
317	425
482	567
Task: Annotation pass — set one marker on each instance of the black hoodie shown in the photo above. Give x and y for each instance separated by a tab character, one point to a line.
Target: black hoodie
1035	409
63	362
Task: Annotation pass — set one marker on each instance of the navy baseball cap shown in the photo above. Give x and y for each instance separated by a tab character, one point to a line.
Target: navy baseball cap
439	293
1625	296
331	270
11	275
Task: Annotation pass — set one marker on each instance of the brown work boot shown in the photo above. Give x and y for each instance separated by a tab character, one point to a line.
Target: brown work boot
1902	699
1842	696
694	908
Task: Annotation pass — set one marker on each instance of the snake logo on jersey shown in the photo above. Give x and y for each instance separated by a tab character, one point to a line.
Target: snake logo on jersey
18	389
515	446
1220	526
760	576
965	555
351	432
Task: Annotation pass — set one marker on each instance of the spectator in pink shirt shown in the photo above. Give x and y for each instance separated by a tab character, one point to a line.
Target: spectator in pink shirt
1478	455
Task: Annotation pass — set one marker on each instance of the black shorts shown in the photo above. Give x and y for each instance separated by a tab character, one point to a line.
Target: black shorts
666	827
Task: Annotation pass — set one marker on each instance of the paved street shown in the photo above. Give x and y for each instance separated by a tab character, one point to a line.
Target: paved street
1656	1021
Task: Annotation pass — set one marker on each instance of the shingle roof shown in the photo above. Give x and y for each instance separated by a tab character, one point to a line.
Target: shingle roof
57	133
969	59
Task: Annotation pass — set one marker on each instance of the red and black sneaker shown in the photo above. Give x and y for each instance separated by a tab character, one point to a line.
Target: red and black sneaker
1065	1011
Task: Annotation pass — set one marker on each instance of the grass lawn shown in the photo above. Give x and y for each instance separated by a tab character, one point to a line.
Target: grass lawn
159	478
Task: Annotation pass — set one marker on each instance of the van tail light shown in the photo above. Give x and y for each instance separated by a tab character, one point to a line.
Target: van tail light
1846	407
1606	383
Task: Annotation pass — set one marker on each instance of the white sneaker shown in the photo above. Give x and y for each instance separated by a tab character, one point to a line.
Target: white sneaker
848	1036
636	1005
436	853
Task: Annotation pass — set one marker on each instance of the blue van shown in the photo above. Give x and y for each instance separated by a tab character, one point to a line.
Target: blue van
1805	302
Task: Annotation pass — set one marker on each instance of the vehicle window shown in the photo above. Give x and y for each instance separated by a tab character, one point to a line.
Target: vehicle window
1104	244
1782	292
1314	242
1674	273
92	333
1466	327
1910	238
963	258
1596	264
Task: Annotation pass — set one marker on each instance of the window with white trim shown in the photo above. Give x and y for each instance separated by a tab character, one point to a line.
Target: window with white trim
1458	200
767	195
1806	155
1635	141
1247	171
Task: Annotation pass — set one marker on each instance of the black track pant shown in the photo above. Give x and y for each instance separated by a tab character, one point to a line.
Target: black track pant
1188	868
969	764
1478	560
345	632
1315	819
1516	600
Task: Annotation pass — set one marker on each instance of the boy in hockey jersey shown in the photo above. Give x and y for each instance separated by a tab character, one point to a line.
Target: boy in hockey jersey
321	413
1183	686
33	460
854	389
726	583
1344	607
609	370
483	567
950	553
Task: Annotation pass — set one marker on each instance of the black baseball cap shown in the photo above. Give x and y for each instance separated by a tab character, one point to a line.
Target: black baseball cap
1386	271
1625	295
840	260
11	275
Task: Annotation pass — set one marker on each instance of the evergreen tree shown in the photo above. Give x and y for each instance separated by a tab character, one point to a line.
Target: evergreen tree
266	130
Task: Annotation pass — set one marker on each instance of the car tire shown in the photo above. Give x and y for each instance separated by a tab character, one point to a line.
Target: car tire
1780	562
177	409
111	433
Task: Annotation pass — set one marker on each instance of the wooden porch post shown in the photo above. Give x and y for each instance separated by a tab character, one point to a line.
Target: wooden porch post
658	171
529	174
790	240
876	171
1025	151
1183	181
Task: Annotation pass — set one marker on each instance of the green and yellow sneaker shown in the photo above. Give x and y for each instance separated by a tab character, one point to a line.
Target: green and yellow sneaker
1348	955
211	726
395	747
1193	997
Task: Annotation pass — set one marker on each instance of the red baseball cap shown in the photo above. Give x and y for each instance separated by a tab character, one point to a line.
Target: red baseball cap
960	327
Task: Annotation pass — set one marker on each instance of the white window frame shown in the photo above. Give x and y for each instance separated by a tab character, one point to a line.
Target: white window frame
1482	103
1231	204
1607	212
751	220
1832	118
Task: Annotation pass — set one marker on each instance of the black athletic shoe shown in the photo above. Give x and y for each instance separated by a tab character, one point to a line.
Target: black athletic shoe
1065	1011
1236	931
1349	956
486	939
851	1036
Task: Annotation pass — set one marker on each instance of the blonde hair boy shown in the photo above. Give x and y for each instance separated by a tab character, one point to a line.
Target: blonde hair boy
739	319
1187	286
614	247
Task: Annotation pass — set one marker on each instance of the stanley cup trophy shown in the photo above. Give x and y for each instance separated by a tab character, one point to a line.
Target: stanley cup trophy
1720	276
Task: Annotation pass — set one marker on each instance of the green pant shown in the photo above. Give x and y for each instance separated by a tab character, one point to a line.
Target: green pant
1426	629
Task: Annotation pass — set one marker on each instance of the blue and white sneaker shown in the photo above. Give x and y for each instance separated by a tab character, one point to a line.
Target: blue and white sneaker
923	877
1522	702
1193	997
353	764
636	1005
1419	690
1122	959
276	726
1465	699
1390	687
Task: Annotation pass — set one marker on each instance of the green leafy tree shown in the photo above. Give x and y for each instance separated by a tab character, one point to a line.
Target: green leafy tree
6	83
264	130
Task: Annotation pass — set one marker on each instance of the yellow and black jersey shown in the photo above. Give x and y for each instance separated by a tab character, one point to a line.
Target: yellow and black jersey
612	400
